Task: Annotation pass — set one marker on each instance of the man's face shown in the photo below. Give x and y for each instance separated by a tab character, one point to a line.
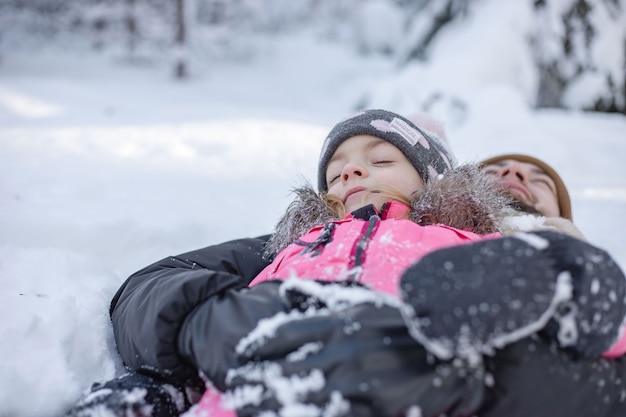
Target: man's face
528	184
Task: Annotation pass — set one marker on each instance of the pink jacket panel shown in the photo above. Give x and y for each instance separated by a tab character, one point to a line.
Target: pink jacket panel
395	245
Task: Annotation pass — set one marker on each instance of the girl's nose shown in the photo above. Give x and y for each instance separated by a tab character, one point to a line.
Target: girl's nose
351	170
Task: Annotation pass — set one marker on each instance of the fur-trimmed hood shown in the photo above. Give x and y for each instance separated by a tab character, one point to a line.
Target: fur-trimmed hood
464	198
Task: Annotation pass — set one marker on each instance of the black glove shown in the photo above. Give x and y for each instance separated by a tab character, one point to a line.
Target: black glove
591	321
133	394
358	361
473	298
210	335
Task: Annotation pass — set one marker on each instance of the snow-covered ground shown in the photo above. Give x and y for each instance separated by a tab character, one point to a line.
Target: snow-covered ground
107	167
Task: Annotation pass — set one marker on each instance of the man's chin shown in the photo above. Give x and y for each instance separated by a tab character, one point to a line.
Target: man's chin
520	206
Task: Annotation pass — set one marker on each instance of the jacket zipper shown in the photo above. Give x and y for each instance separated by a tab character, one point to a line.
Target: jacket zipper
357	258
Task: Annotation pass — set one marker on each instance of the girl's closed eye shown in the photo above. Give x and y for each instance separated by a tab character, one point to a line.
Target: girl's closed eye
333	173
384	153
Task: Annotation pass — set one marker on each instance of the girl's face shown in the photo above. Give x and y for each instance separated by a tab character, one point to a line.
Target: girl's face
363	163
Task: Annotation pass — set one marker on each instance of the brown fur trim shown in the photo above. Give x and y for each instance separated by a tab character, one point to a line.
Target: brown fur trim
306	211
463	198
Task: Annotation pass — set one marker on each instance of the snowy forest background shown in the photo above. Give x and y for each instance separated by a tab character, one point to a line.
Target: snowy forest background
577	47
131	130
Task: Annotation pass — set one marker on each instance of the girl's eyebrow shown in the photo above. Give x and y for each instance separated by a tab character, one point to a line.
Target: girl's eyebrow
368	146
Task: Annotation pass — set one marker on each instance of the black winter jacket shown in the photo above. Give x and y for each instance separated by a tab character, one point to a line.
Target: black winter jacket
168	301
149	309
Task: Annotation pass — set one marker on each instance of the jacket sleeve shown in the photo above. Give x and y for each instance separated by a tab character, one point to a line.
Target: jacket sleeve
364	357
148	311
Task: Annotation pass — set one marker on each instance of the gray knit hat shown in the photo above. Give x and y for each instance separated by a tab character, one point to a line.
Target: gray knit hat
430	155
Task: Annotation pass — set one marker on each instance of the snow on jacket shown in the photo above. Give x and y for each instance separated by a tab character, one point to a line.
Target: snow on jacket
367	247
150	308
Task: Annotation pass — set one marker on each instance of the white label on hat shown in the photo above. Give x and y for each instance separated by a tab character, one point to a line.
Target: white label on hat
406	131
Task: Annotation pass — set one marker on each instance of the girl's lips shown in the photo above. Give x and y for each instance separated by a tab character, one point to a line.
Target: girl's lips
352	191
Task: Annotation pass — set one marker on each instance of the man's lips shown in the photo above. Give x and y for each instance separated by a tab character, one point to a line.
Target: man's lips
352	191
516	188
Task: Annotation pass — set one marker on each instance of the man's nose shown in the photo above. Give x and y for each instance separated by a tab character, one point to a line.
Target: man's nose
513	170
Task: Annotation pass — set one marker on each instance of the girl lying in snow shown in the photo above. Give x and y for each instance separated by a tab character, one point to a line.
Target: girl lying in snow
390	201
333	355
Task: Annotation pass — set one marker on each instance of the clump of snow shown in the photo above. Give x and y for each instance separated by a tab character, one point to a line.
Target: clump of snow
321	300
335	297
524	222
289	391
535	241
304	351
266	329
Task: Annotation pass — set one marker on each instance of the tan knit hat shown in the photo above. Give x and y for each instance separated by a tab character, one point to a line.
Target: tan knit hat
565	206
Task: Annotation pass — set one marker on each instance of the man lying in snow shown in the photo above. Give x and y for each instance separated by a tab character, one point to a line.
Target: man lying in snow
357	358
464	302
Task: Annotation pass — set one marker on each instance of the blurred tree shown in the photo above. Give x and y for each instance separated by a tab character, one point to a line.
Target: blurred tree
131	26
427	18
214	12
180	59
579	48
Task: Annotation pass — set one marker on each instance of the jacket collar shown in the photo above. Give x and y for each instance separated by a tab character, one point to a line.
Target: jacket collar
390	210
